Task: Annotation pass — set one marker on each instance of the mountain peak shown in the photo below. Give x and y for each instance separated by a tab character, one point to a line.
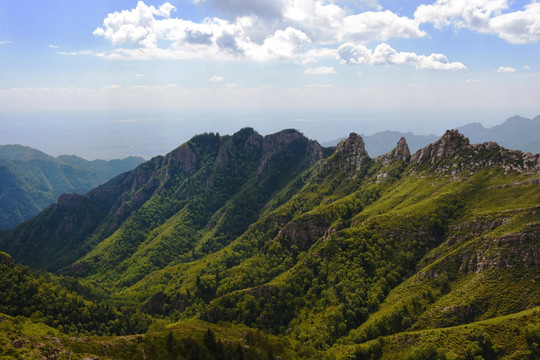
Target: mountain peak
402	152
449	144
354	144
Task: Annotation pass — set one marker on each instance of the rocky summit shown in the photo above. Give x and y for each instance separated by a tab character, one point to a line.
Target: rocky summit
246	246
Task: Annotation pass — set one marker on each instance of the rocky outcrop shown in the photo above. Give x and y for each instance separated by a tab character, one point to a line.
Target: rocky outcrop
350	155
400	153
451	143
303	232
505	252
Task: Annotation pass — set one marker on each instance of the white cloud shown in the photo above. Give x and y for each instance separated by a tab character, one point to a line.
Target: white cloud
486	16
380	25
503	69
53	46
527	67
299	33
137	27
263	8
217	78
472	14
5	42
76	53
283	44
323	70
471	81
139	75
231	86
314	55
520	27
384	54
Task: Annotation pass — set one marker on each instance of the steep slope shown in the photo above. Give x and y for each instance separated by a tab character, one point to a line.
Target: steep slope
32	180
159	212
340	254
323	265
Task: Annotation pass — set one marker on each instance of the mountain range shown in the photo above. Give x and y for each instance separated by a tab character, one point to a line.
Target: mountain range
32	180
517	133
247	246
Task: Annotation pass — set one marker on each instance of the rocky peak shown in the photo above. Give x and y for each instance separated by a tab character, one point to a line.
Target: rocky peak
450	143
402	152
353	145
351	151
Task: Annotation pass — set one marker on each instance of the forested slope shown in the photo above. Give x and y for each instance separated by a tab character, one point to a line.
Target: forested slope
334	253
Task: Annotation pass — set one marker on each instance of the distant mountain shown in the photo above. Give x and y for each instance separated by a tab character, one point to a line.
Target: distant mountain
384	141
20	152
31	180
330	253
515	133
106	169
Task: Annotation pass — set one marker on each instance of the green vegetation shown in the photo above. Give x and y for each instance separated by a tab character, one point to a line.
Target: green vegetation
249	247
32	180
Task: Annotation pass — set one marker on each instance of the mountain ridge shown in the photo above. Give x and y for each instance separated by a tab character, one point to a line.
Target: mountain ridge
32	180
328	249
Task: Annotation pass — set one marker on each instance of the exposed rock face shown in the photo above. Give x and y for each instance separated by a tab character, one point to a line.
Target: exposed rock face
400	153
450	143
353	145
508	251
350	152
303	232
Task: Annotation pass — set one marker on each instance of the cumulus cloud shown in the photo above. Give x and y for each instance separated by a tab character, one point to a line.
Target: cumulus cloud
216	78
257	30
384	54
472	14
486	16
263	8
503	69
520	27
380	25
323	70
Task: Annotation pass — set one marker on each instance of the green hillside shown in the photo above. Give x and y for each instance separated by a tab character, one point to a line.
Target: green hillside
318	253
32	180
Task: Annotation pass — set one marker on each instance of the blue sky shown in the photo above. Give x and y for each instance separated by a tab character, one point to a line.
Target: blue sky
112	78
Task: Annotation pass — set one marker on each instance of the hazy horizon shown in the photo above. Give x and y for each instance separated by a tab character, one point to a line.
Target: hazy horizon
109	79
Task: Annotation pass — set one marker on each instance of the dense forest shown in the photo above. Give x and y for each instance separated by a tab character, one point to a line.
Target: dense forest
250	247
